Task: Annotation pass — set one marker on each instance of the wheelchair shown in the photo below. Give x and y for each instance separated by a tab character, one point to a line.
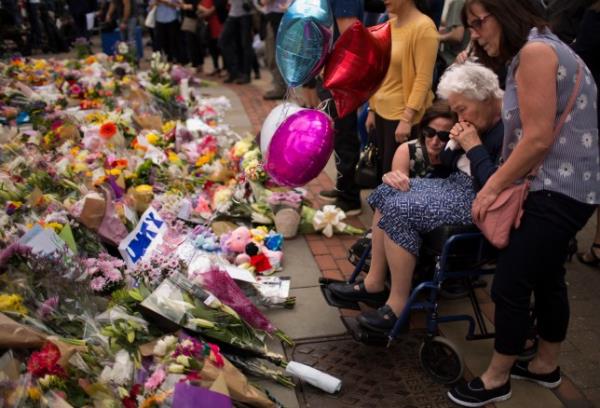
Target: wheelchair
457	253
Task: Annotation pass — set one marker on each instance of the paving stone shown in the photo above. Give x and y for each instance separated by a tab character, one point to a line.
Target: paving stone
299	264
311	317
325	262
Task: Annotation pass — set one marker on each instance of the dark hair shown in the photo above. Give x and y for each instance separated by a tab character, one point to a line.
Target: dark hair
516	17
439	109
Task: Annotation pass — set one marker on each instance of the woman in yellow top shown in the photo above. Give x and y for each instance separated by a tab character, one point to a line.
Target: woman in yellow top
405	92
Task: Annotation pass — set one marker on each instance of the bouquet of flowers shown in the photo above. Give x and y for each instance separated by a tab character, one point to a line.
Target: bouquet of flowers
106	273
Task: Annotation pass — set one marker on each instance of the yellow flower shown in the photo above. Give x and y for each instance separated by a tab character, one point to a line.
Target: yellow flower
174	158
143	189
90	60
205	159
114	172
96	117
119	58
12	303
55	226
241	147
167	127
39	64
34	393
152	138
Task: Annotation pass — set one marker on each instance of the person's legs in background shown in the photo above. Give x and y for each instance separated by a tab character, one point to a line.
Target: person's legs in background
592	256
347	150
129	35
385	142
215	53
278	87
227	45
35	25
245	41
161	38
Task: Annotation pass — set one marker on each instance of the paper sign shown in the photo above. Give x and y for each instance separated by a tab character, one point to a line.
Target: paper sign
238	273
43	241
144	238
273	287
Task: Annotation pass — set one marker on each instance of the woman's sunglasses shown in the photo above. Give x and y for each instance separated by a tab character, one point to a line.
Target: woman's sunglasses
443	135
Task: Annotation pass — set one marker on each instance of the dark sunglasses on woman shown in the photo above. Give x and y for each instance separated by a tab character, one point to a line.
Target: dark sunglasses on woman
443	135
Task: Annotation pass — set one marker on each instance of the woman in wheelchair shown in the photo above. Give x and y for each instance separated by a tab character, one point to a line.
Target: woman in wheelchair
547	86
406	208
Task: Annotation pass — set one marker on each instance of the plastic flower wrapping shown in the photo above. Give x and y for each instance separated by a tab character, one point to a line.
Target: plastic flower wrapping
133	226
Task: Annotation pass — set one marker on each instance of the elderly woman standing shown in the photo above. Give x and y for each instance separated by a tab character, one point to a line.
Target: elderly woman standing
407	208
541	78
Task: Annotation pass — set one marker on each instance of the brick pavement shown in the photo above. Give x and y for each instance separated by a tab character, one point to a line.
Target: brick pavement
581	357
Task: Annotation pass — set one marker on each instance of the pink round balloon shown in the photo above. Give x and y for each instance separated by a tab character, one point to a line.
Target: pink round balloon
300	148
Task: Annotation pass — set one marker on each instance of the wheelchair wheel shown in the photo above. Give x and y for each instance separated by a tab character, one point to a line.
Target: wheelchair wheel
441	359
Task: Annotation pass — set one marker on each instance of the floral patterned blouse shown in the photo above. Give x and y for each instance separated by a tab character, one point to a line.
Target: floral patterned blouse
572	167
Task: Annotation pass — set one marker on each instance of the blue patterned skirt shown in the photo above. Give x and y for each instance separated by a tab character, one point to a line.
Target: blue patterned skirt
430	203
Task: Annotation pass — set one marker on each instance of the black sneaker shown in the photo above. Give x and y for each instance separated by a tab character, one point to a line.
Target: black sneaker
329	195
349	207
520	371
473	394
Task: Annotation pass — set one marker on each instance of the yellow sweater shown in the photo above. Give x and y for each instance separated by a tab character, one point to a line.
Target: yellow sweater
408	79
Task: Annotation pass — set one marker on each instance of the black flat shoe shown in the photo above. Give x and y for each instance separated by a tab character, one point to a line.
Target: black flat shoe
520	371
382	319
473	394
358	293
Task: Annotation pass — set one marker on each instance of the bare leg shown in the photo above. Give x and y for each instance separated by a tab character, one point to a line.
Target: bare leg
588	256
402	265
498	371
546	359
375	280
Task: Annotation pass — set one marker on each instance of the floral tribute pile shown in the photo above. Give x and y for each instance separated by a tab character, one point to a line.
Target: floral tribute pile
133	222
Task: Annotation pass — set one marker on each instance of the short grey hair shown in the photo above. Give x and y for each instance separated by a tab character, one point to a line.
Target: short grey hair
471	80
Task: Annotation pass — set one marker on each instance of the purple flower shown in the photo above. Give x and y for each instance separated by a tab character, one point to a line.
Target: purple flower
48	307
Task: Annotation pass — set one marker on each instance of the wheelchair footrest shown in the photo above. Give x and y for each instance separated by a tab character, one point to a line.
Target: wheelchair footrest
333	300
363	335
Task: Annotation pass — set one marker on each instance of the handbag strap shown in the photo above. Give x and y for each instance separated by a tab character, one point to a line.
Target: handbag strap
562	119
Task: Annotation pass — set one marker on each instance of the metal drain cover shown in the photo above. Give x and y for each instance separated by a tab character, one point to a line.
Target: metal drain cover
371	376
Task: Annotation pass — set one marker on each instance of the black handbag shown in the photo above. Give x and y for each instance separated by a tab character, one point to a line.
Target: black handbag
365	174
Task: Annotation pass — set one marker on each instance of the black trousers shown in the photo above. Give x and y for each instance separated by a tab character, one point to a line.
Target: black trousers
385	141
533	262
236	45
167	36
346	146
194	49
215	52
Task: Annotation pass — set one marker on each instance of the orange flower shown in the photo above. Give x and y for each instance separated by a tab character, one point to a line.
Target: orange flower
108	130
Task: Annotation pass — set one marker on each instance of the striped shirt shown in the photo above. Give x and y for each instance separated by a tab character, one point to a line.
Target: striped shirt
572	167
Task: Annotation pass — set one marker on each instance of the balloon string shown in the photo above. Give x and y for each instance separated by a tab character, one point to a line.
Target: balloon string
324	105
